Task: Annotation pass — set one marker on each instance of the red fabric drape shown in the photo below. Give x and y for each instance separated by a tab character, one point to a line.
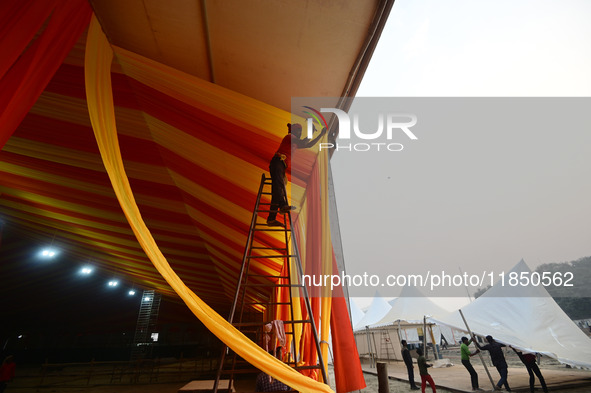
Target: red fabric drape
28	73
347	368
19	22
313	261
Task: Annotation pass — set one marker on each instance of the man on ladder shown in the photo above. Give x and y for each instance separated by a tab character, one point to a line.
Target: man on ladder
278	167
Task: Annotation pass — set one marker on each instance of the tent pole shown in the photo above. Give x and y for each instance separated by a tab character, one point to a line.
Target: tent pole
368	346
479	354
467	291
375	347
425	336
435	348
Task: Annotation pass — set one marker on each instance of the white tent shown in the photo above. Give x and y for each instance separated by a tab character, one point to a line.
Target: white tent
525	317
356	313
410	306
378	308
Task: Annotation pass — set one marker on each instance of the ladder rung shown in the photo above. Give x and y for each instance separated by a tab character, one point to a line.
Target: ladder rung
306	367
266	276
266	303
268	248
250	331
264	224
298	321
240	324
271	256
293	364
273	229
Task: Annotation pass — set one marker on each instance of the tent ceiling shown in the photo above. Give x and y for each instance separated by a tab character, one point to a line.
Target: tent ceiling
194	168
270	51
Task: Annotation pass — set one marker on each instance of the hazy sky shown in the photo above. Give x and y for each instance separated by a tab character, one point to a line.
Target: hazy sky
482	199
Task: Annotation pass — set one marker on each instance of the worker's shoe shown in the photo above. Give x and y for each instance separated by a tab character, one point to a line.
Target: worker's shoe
275	223
415	388
286	208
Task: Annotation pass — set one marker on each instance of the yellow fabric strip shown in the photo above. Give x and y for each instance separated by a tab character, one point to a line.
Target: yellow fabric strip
98	60
326	301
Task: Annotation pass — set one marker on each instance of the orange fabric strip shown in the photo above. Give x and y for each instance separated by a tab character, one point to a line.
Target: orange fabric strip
100	103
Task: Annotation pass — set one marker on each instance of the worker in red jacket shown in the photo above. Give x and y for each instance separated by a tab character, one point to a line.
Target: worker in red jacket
529	360
6	372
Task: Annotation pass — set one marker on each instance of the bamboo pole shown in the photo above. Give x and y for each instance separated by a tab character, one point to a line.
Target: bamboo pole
479	354
369	353
435	349
425	337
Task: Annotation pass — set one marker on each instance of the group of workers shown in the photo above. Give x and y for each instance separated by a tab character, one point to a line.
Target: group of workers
497	357
278	167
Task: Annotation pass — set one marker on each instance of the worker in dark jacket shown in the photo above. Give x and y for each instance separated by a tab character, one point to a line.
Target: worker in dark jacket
495	349
280	164
529	360
409	366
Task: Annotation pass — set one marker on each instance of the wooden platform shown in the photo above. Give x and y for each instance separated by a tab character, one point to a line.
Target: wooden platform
204	386
457	379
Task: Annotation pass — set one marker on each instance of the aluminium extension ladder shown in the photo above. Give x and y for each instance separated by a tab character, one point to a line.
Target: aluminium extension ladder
386	345
252	323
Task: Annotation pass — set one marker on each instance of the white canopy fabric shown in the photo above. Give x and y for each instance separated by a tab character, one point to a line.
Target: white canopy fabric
378	308
356	313
451	335
527	318
411	306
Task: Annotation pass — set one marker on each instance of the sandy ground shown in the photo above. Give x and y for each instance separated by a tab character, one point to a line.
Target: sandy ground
371	380
455	378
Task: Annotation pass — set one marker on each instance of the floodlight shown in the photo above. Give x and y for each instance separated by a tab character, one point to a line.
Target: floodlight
131	292
48	253
113	283
86	270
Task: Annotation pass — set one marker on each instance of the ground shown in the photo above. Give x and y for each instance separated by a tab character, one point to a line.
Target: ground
99	378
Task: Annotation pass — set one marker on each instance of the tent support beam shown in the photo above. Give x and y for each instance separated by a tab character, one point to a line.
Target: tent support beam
435	347
479	354
425	337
